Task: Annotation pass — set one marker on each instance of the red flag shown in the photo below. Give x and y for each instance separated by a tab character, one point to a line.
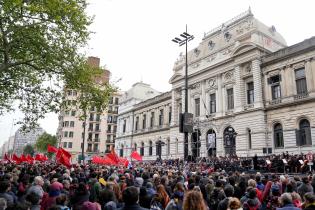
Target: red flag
16	158
51	149
113	156
63	152
39	157
64	160
7	158
124	161
44	158
135	155
23	158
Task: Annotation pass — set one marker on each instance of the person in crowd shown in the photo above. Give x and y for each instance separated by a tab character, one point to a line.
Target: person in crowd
3	204
305	187
273	200
229	192
193	200
34	199
250	200
130	198
37	187
286	202
309	203
61	202
234	204
80	196
5	187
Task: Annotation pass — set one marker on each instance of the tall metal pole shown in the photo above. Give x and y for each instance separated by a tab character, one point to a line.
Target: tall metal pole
186	103
83	137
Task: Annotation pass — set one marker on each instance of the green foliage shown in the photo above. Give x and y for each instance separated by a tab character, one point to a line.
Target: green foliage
28	150
39	44
43	141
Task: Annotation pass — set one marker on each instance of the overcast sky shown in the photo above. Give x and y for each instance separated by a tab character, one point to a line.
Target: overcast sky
133	37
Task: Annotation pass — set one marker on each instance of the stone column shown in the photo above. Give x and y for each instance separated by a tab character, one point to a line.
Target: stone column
219	97
309	75
203	99
173	104
257	83
238	92
283	83
267	88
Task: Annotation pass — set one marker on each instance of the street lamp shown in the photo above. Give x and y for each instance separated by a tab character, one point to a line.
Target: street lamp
185	38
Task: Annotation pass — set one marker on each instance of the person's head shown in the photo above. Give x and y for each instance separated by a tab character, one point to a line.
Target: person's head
61	200
252	183
38	180
87	205
285	199
305	180
5	186
33	198
193	200
234	203
130	195
179	187
66	184
251	192
82	189
229	190
309	198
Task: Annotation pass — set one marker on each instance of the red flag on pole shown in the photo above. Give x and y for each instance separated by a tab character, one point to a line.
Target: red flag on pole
113	156
51	149
63	152
63	157
7	158
135	155
23	158
16	159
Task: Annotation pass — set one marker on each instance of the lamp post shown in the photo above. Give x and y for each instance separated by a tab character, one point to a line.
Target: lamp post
185	38
159	145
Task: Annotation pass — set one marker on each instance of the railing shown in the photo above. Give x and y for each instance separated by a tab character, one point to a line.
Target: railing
275	101
301	96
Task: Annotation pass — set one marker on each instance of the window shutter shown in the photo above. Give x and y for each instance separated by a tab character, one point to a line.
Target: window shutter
308	136
298	136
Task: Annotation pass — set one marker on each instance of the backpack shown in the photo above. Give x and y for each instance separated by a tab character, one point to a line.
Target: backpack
156	205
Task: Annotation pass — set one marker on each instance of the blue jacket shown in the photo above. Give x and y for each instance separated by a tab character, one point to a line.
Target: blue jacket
289	207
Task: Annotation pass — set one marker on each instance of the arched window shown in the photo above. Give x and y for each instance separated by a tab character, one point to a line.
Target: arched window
304	134
168	147
142	149
278	135
150	148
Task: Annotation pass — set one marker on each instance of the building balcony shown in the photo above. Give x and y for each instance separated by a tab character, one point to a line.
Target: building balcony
275	101
301	96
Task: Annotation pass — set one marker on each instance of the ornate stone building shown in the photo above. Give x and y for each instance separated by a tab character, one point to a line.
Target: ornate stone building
248	92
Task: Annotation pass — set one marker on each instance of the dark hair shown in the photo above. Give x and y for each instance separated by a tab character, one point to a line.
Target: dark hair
4	185
33	198
310	197
229	190
130	195
61	199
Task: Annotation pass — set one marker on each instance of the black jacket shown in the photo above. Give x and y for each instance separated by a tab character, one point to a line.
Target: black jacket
311	207
132	207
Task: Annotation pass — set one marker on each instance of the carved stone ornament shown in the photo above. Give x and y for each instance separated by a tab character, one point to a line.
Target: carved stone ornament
247	68
196	52
212	83
227	51
227	36
299	65
195	65
195	88
228	77
212	57
211	45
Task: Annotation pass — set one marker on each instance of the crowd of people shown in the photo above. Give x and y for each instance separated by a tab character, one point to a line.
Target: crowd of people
163	185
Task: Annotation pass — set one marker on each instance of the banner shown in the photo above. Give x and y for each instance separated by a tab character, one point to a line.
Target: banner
211	140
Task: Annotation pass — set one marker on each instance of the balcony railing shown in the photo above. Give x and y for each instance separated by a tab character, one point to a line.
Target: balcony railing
275	101
301	96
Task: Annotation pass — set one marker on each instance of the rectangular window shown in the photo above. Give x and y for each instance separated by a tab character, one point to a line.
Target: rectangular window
95	148
91	117
137	123
109	128
98	117
89	148
97	127
72	124
64	144
66	124
124	126
212	103
74	93
152	120
67	113
90	137
116	101
108	137
90	126
71	134
73	113
250	92
300	79
144	120
114	129
69	92
65	134
96	137
275	91
197	107
161	117
111	100
230	98
170	115
69	144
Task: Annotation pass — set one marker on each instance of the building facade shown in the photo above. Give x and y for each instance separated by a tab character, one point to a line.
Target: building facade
249	94
100	128
21	139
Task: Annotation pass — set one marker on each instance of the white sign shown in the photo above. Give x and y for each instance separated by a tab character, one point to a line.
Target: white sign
211	140
268	162
301	162
284	161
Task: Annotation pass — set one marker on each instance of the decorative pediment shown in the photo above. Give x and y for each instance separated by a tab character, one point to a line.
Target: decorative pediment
243	48
228	77
175	77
